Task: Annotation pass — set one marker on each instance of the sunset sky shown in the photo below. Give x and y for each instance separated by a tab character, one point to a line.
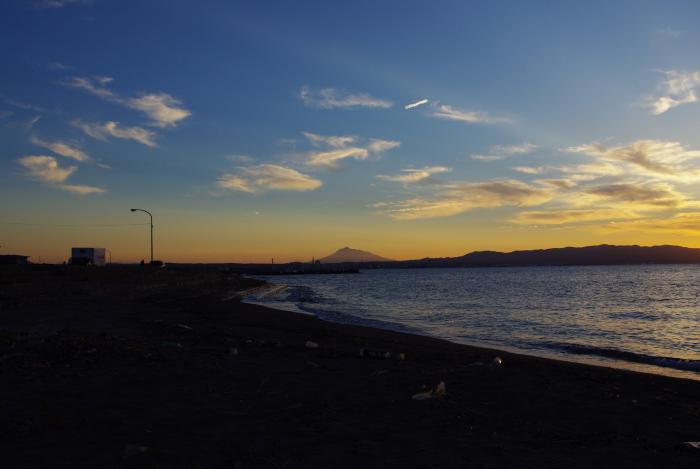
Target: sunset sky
254	130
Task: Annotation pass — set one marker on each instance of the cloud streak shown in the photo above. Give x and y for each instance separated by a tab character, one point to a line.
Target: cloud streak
45	168
267	177
677	88
416	104
462	197
443	111
80	189
62	149
416	176
113	129
650	157
335	149
331	98
162	109
499	152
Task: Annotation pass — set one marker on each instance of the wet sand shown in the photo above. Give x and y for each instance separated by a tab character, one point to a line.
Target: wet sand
121	367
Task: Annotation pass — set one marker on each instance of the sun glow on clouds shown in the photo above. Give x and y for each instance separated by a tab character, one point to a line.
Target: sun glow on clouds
661	159
460	197
267	177
624	182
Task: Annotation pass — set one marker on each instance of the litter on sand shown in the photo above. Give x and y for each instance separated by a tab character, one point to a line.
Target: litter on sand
692	444
438	392
310	344
368	353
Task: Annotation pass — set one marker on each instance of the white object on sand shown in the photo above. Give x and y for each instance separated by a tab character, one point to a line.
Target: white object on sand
438	392
310	344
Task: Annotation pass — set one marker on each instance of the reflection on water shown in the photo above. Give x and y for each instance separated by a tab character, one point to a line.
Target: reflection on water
640	317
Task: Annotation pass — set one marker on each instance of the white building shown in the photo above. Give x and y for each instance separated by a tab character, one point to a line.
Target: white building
87	256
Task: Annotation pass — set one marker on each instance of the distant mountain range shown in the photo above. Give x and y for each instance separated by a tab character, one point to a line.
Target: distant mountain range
352	260
603	254
347	254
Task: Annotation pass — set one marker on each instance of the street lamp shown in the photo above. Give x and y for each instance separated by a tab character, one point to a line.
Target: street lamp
151	216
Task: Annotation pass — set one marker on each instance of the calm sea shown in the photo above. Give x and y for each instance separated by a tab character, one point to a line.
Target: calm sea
645	318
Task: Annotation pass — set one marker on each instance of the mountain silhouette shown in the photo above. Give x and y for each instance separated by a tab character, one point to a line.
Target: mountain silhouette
347	254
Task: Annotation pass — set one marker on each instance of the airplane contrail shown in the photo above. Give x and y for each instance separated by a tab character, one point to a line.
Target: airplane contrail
416	104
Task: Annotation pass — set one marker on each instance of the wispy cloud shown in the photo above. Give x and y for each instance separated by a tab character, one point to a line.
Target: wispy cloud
655	195
62	149
45	168
560	183
80	189
677	88
240	158
58	66
651	157
668	32
462	197
162	109
21	105
267	177
335	149
529	169
42	4
416	176
560	217
443	111
331	98
499	152
113	129
687	223
416	104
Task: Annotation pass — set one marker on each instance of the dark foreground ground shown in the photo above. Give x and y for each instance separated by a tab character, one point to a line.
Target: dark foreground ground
104	367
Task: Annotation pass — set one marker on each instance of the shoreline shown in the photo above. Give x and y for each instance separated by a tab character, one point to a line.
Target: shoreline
151	368
590	359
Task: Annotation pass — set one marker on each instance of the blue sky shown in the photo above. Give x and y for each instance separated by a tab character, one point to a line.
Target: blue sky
280	128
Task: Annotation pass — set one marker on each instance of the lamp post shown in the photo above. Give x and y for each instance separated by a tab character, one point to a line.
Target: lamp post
151	216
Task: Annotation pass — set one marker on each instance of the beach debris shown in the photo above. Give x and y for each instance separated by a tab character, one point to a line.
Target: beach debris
436	393
172	344
497	362
368	353
314	364
310	344
692	444
133	450
233	351
184	326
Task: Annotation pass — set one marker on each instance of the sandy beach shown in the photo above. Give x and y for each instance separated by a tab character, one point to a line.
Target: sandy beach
140	367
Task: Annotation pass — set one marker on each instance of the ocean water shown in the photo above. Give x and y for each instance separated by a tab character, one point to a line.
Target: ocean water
645	318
